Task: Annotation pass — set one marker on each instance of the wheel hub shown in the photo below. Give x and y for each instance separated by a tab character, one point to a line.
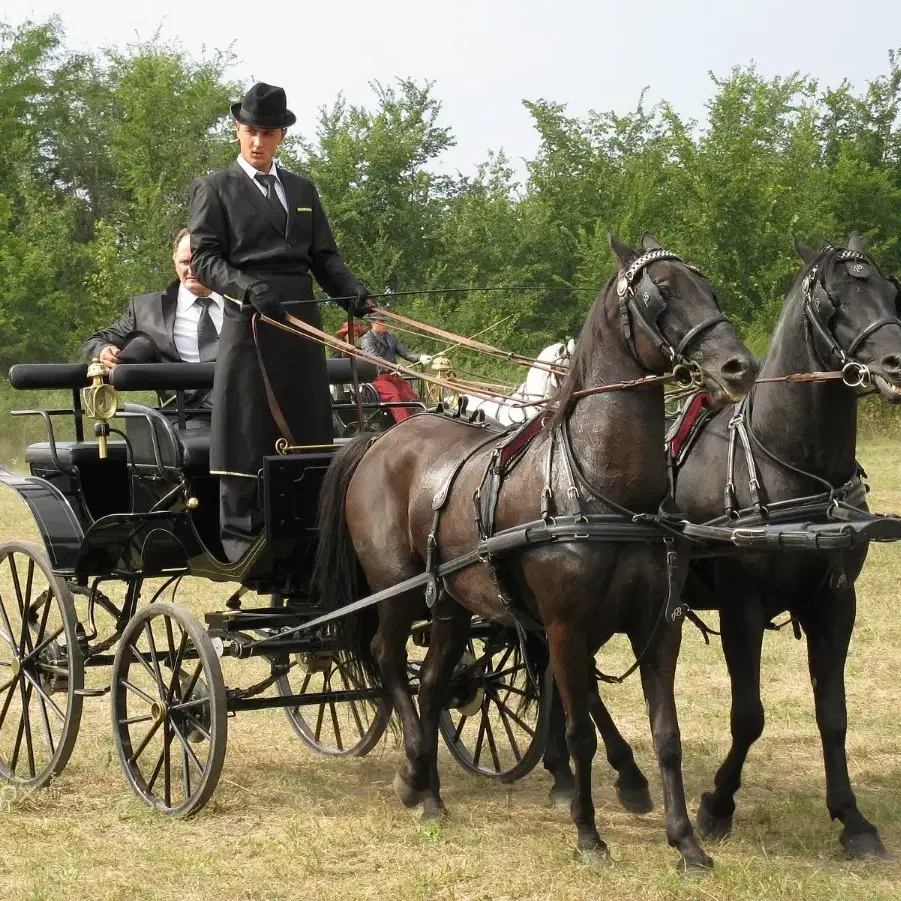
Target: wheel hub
314	661
159	710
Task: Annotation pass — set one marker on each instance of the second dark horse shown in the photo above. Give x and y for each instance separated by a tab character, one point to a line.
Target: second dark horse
841	313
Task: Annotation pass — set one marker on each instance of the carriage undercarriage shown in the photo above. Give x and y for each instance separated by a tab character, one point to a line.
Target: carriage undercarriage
142	514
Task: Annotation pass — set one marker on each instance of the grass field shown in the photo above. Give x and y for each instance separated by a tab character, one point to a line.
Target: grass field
286	824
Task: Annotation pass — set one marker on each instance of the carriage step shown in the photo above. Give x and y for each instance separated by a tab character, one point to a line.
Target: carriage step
92	692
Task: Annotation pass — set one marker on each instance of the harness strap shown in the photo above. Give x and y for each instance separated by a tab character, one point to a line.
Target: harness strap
271	399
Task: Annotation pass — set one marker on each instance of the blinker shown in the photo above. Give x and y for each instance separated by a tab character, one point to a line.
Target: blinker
822	303
858	269
649	298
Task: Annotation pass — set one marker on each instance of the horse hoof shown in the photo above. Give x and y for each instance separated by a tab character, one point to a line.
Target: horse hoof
433	814
405	792
710	826
863	846
595	856
695	864
635	800
562	796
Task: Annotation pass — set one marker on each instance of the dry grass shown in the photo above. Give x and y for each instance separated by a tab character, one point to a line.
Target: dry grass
285	823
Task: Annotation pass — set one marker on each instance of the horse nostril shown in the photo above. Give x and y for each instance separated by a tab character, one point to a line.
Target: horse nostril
891	363
735	368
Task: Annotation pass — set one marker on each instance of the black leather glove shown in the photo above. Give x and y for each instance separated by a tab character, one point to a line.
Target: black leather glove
362	303
266	303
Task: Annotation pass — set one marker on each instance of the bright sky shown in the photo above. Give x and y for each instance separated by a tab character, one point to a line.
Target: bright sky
486	56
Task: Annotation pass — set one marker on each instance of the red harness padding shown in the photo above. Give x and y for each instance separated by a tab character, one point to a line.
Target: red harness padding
687	423
393	389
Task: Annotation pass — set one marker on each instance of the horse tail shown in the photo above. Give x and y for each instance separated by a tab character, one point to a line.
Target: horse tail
337	574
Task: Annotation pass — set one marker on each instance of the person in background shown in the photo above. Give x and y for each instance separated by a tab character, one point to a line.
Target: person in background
392	388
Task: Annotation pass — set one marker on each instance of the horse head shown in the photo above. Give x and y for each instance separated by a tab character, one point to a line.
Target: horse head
851	315
670	316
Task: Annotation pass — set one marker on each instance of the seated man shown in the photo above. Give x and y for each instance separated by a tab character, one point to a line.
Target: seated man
178	325
379	342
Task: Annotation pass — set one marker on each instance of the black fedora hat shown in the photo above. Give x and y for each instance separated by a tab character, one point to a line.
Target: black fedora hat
265	106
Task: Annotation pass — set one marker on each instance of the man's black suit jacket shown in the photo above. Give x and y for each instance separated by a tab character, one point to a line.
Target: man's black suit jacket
153	314
237	240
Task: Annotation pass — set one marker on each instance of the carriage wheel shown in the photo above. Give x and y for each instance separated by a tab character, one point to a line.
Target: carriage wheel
492	727
336	727
41	670
169	709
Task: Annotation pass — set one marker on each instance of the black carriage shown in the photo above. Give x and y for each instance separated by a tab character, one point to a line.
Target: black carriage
135	501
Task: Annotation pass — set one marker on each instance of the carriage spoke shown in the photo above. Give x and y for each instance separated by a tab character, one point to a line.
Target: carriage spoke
480	738
18	745
337	727
187	750
134	720
509	731
167	763
32	654
137	655
45	720
197	726
151	641
176	666
135	754
24	637
185	773
26	719
492	746
7	702
319	722
142	695
458	729
45	614
43	694
7	631
350	684
513	716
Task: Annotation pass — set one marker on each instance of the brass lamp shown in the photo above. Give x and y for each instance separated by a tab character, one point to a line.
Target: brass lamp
100	403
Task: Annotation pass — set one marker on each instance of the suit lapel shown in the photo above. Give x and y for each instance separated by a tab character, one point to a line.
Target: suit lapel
255	196
169	304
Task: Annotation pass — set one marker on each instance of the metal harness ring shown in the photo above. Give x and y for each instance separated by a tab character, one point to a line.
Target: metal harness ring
856	375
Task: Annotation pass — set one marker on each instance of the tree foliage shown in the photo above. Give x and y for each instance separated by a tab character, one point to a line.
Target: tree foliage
97	150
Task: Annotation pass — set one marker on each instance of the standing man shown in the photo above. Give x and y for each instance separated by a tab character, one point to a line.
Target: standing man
379	342
258	235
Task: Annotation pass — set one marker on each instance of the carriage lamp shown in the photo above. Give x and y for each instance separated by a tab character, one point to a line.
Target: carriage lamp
443	369
100	403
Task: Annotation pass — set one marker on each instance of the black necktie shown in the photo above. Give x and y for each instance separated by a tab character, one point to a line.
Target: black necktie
268	182
207	336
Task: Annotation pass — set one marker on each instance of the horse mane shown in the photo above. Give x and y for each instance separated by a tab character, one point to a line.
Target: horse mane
586	348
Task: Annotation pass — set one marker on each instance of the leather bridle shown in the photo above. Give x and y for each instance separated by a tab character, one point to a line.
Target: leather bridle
642	303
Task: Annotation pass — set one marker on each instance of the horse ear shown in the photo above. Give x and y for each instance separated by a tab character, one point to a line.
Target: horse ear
854	242
649	242
803	250
624	253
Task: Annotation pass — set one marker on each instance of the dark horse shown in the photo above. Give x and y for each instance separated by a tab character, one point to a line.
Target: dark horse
840	313
377	508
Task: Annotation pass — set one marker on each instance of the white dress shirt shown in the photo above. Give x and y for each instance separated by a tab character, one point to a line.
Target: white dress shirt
187	316
273	170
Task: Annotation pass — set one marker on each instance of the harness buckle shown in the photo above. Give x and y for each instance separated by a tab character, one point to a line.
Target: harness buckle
736	420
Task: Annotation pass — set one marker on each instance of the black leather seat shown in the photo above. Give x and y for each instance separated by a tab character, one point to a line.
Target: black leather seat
73	453
195	447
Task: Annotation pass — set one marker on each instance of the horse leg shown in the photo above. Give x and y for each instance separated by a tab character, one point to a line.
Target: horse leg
389	648
447	639
570	659
631	785
742	625
658	676
828	622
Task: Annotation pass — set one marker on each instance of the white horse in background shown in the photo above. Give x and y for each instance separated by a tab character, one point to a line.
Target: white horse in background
539	385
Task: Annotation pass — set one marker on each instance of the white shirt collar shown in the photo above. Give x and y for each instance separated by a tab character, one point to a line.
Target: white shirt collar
251	172
186	299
